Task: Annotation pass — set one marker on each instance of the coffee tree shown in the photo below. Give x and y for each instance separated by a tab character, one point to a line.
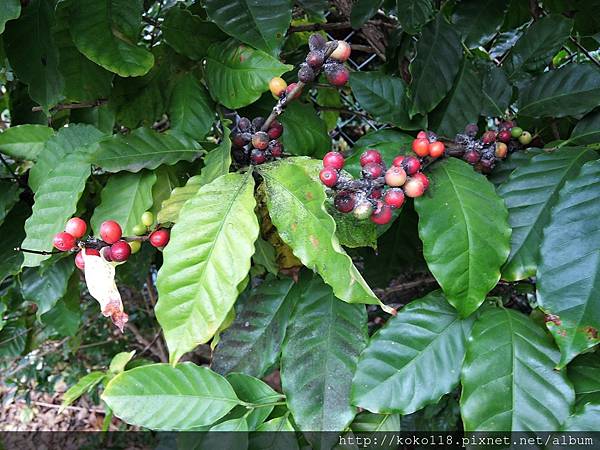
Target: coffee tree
182	152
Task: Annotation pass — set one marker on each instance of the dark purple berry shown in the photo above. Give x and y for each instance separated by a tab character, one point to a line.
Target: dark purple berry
244	124
344	201
315	58
306	74
257	156
316	42
275	148
260	140
275	130
471	130
257	123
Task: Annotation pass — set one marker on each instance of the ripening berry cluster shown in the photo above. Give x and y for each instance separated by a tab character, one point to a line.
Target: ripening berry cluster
251	145
316	60
427	144
378	191
111	246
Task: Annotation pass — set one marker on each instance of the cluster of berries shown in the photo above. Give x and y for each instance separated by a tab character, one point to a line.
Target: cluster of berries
111	246
427	144
252	145
317	59
493	145
378	191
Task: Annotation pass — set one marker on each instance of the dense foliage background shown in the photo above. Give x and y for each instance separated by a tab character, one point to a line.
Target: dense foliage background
115	107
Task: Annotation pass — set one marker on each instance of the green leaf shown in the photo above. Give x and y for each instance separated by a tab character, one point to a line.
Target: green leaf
172	206
167	179
296	206
478	21
45	286
188	34
585	418
75	138
11	9
304	132
119	361
252	343
13	233
198	280
9	196
30	48
106	31
529	194
569	91
269	435
384	97
425	340
24	141
162	397
540	42
496	91
13	339
508	378
319	357
413	14
237	75
263	26
465	234
257	392
363	10
439	46
584	373
265	255
505	167
85	384
144	148
367	422
567	275
191	110
461	106
124	199
587	130
65	317
217	161
350	232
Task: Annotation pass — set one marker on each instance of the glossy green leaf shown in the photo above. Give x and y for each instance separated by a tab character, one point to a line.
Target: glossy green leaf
352	233
162	397
425	340
218	161
461	106
270	435
413	14
367	422
505	167
508	378
124	199
11	9
144	149
304	132
265	256
85	384
107	31
119	361
172	206
529	194
439	46
587	130
252	343
64	319
33	56
584	373
254	391
9	196
167	179
496	91
465	234
478	21
24	141
263	26
585	418
198	280
13	233
384	97
320	353
296	206
191	110
13	339
567	275
237	75
188	34
540	42
363	10
46	285
569	91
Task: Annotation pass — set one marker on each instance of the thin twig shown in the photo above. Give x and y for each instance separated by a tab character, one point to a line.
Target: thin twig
53	406
319	27
145	343
343	111
35	252
61	106
584	50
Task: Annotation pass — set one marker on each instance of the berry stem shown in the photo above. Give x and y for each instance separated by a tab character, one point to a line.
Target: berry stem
35	252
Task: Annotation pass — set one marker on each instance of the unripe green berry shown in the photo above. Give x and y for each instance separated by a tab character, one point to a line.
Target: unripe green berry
147	218
516	132
363	210
135	246
139	229
525	138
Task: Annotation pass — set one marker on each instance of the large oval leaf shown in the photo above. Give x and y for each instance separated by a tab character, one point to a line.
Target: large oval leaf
237	75
189	34
304	132
568	276
205	261
144	149
320	352
509	381
48	284
296	206
191	109
252	390
252	343
11	9
438	47
161	397
171	207
569	91
425	340
587	130
412	14
25	141
497	92
478	21
260	25
584	373
529	194
465	234
13	233
106	31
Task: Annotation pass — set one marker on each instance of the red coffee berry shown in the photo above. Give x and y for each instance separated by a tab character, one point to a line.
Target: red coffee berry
370	156
504	136
110	231
422	178
260	140
413	188
76	227
436	149
333	160
79	262
372	170
240	139
376	194
64	241
472	156
422	135
289	90
275	130
338	77
394	198
411	165
275	148
395	176
382	214
342	51
507	125
398	160
421	147
159	238
120	251
344	201
489	137
315	58
328	176
257	156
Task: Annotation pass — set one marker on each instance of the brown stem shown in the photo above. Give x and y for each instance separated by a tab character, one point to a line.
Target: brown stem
35	252
61	106
584	50
145	343
319	27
